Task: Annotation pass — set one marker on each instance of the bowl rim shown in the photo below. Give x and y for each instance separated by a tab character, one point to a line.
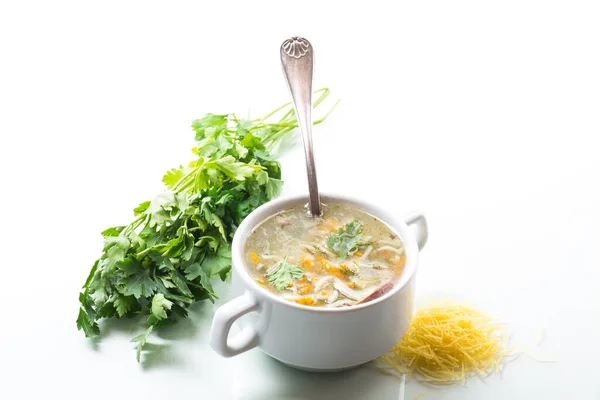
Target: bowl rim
273	207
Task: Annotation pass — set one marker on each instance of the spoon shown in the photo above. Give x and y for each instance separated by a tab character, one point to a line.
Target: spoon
297	62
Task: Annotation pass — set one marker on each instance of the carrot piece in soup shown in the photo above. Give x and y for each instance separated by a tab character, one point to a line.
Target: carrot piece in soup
304	289
330	268
332	223
254	257
322	261
306	262
329	225
260	282
401	261
302	280
307	301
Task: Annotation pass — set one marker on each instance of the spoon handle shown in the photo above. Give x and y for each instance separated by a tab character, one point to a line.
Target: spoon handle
297	61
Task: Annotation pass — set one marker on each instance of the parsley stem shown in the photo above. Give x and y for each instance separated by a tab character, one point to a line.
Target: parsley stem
131	227
322	97
324	117
275	111
276	136
324	93
284	124
148	250
187	179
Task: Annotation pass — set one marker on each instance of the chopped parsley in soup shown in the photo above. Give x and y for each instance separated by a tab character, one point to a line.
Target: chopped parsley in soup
343	258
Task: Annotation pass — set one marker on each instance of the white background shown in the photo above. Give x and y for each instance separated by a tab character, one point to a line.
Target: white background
485	115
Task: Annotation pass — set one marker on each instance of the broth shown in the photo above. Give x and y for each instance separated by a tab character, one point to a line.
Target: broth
343	258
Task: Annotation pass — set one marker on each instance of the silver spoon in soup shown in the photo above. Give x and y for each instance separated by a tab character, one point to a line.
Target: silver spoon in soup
297	62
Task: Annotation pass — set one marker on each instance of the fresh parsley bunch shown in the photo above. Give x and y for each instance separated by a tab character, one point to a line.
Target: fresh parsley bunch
165	259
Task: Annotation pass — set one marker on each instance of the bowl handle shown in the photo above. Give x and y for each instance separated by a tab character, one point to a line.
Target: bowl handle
224	318
418	219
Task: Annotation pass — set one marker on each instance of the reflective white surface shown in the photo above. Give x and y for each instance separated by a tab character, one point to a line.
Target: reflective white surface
483	115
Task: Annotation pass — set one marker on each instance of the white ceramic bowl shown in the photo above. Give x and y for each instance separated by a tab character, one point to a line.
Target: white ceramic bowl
314	338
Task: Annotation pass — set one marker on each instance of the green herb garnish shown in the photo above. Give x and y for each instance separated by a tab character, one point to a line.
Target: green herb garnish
283	274
141	342
166	258
346	241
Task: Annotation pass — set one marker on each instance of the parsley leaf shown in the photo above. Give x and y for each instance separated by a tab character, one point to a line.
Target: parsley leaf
209	124
139	209
86	319
218	263
124	304
274	187
116	248
170	179
136	280
346	240
283	274
141	342
234	169
160	305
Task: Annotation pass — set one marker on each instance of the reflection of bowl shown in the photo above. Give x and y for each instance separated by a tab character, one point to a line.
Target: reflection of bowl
314	338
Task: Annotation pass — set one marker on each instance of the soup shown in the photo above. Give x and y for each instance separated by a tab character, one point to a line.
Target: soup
343	258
